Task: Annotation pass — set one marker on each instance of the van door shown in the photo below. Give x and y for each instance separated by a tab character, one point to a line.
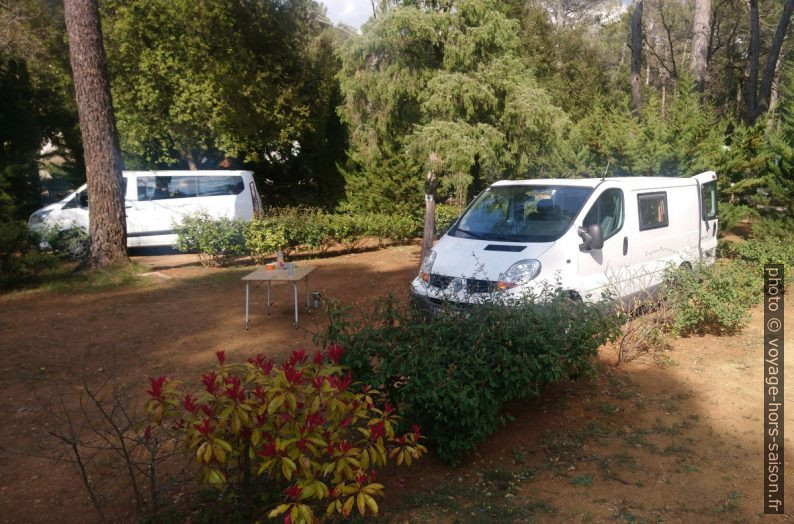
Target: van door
604	271
74	212
709	221
162	201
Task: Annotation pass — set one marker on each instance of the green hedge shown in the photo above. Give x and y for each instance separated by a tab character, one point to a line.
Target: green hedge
453	372
305	229
294	229
216	240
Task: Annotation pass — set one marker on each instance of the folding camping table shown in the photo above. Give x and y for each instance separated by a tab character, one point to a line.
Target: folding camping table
297	274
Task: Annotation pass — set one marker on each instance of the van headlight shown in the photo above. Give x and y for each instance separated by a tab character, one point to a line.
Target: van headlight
38	217
519	273
427	266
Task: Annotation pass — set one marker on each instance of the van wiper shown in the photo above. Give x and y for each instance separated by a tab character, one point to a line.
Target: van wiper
469	233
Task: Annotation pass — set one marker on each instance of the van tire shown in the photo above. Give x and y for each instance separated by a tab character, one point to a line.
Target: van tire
75	244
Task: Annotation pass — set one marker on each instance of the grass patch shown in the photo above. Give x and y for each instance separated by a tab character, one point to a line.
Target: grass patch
582	480
67	279
608	409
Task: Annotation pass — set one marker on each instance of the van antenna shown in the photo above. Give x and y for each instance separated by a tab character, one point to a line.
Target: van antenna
607	169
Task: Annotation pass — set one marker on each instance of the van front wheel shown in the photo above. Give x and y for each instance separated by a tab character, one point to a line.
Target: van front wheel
74	243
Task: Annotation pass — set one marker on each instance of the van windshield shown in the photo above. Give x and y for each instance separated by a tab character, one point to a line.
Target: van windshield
522	213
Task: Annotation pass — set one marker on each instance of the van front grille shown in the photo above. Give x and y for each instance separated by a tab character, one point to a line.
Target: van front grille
480	286
473	285
440	281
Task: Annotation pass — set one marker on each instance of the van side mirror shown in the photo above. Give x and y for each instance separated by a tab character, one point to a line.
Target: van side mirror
83	199
592	237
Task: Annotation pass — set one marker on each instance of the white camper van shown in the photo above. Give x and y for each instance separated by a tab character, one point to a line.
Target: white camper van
156	200
591	236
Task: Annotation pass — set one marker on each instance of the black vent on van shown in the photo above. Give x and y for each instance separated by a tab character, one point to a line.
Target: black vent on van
505	247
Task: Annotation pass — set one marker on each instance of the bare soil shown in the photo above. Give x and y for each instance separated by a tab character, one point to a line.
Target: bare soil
679	442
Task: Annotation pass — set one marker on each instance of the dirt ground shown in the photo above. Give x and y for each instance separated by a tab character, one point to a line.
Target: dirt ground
676	442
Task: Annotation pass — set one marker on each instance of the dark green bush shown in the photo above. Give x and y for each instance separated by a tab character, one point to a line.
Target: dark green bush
773	227
215	240
712	299
453	373
731	214
20	259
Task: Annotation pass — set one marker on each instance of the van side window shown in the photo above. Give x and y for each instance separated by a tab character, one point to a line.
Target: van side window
709	192
607	211
653	210
166	187
220	185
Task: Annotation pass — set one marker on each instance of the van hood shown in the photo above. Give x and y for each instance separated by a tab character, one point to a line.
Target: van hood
481	259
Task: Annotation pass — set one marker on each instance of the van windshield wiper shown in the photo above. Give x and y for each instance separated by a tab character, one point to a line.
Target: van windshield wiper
471	234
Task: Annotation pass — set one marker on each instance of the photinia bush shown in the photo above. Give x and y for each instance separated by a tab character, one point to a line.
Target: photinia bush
299	424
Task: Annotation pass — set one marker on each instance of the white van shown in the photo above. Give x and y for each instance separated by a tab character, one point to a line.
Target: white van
156	200
591	236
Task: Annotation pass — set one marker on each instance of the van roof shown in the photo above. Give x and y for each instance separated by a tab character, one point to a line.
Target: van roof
186	172
630	182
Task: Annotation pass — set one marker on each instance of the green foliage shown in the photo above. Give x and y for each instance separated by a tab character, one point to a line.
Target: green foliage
20	259
731	215
454	372
306	229
200	81
20	138
757	252
713	299
448	87
298	424
682	138
37	106
446	215
216	240
779	227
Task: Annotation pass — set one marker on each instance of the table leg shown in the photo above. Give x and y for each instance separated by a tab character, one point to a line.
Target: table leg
246	305
295	292
268	297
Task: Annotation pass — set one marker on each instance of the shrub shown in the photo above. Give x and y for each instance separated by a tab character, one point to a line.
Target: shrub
216	240
756	252
768	227
731	214
712	299
20	259
72	243
265	236
299	424
446	215
454	372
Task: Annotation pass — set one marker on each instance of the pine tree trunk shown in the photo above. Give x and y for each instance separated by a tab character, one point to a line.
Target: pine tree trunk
772	119
701	32
754	56
98	129
429	234
772	59
636	56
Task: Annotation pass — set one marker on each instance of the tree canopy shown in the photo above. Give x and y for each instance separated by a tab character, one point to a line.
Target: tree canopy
470	91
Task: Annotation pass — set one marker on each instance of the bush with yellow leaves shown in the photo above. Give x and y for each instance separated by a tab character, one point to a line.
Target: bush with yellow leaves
299	423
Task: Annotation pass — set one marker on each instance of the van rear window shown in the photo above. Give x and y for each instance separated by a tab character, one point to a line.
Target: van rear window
653	210
168	187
